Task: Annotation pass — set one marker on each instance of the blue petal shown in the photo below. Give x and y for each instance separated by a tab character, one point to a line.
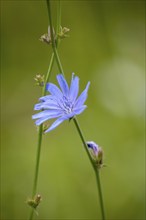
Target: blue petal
54	90
46	97
74	88
51	104
63	84
43	119
56	123
70	115
80	110
50	113
93	146
82	98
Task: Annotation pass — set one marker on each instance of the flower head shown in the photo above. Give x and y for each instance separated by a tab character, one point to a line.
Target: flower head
62	103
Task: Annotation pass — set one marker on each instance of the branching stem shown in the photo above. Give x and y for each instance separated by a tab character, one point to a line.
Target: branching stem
75	119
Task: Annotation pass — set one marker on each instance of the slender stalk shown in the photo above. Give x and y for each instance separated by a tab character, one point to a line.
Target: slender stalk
57	31
48	75
41	127
37	160
75	119
100	193
58	20
83	141
36	167
94	167
53	40
40	140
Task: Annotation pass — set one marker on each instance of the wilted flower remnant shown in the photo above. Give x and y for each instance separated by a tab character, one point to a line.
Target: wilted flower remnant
96	153
39	80
62	103
34	202
63	33
47	37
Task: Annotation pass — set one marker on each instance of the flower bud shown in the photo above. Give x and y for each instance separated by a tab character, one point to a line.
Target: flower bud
39	80
96	153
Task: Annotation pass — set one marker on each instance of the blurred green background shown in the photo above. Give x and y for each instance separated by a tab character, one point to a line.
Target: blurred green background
106	46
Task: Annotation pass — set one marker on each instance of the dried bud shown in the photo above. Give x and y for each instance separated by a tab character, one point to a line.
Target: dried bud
96	153
35	201
47	37
39	80
63	32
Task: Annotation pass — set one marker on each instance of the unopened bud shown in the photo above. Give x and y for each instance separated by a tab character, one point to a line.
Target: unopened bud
96	153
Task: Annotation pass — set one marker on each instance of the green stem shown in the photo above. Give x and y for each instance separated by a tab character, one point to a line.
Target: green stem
58	20
53	40
37	160
41	126
37	167
74	119
100	193
48	75
83	141
93	165
40	140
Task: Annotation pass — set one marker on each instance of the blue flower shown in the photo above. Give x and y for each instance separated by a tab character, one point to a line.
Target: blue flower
62	103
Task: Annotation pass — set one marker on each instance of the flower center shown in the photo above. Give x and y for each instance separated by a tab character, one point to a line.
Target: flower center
67	105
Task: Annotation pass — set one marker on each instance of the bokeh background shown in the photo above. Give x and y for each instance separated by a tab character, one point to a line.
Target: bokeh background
106	46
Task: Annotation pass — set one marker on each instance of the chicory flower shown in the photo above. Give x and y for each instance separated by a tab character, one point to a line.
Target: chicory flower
62	103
